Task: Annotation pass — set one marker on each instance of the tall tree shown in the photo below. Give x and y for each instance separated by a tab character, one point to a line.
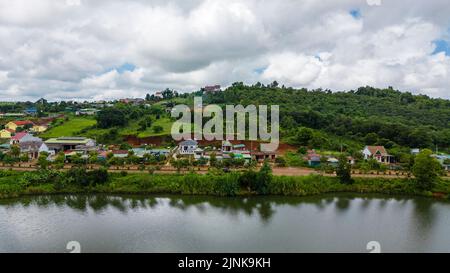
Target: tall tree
426	170
344	169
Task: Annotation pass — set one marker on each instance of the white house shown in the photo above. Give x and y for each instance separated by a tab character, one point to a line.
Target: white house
187	147
33	148
199	153
378	153
227	147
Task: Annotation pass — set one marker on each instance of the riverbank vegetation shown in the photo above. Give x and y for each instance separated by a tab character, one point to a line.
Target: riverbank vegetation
216	183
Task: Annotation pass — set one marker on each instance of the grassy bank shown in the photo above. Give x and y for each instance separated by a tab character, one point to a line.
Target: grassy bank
14	184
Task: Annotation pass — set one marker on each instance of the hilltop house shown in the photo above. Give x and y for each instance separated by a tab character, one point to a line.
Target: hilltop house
211	88
378	153
158	95
187	147
70	143
14	125
6	133
137	101
87	112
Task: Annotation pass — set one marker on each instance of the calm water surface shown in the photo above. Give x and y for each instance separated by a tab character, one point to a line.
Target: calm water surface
328	223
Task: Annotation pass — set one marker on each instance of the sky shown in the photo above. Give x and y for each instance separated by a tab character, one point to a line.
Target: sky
108	49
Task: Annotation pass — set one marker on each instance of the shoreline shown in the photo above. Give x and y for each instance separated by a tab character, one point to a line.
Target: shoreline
220	185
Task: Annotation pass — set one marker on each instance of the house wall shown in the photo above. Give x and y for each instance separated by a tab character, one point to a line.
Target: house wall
11	125
367	154
187	149
39	129
5	134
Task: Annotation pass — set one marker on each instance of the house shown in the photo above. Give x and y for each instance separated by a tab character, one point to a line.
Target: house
313	160
70	143
378	153
87	112
227	147
239	147
120	153
6	133
158	95
38	128
139	152
332	161
415	151
199	153
137	101
444	160
187	147
14	125
12	115
350	160
32	111
262	156
22	137
5	147
33	148
247	157
211	88
159	152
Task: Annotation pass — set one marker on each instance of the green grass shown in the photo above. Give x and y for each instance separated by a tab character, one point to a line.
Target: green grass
75	125
165	123
133	128
72	127
230	184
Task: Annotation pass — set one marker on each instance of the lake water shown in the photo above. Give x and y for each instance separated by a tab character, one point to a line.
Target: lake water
328	223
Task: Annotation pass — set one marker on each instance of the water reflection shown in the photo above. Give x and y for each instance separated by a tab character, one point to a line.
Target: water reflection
261	206
335	222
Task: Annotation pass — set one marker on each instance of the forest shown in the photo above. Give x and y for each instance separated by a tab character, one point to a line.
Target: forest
348	120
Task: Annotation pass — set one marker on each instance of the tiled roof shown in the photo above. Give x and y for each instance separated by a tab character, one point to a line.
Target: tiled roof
19	136
189	142
118	152
374	149
22	122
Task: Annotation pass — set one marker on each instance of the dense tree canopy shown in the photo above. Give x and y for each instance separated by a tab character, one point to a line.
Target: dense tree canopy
367	116
110	117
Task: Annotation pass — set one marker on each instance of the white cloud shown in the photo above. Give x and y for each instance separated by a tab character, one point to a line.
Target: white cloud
74	48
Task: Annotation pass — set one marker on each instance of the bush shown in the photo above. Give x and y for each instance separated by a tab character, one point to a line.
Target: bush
263	178
246	179
280	161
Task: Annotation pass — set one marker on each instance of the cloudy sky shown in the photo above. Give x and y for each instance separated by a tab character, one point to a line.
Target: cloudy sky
102	49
